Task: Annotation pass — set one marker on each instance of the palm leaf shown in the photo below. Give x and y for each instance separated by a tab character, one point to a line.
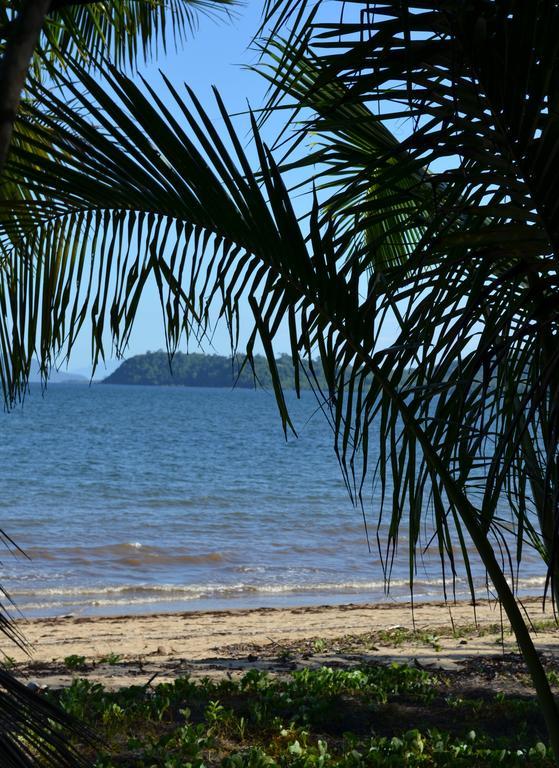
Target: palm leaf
123	31
131	174
497	215
469	383
33	731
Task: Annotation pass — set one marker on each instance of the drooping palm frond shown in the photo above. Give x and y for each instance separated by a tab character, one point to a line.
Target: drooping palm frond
33	732
466	395
444	69
129	179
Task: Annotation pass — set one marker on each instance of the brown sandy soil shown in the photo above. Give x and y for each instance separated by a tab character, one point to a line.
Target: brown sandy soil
126	650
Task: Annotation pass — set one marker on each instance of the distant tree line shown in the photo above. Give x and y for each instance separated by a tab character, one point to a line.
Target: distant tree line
199	370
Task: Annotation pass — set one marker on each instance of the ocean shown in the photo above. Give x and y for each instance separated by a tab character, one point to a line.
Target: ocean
146	499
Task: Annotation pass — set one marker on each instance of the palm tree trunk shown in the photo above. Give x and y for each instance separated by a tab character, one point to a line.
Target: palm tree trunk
545	696
469	516
20	46
544	511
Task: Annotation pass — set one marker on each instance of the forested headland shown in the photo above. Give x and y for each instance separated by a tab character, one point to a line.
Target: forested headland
200	370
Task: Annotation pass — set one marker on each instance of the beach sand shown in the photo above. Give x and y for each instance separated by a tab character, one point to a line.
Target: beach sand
137	649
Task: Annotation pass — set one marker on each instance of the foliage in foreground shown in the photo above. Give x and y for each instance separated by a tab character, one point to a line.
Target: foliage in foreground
321	718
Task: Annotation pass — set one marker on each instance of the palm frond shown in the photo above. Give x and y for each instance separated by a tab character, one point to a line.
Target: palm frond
130	190
348	148
122	31
33	731
463	403
451	74
126	31
147	195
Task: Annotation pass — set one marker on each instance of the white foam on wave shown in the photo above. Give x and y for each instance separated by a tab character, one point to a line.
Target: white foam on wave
129	594
530	581
208	589
119	596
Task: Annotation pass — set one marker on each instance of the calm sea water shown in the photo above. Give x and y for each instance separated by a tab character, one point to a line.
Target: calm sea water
154	498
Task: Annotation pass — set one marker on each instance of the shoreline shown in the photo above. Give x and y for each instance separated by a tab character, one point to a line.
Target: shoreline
130	604
128	649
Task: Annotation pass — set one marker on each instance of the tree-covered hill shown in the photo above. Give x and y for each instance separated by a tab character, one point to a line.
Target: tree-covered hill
198	370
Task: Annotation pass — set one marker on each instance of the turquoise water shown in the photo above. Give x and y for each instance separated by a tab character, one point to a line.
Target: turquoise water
154	499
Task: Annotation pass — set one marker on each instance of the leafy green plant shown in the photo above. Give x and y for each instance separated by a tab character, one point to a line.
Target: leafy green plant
319	645
82	699
74	662
263	721
113	716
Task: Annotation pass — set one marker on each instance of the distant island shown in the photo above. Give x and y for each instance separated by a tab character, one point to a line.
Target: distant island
55	376
199	370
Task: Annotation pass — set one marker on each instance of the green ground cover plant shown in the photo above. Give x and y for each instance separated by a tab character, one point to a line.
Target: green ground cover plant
74	662
367	716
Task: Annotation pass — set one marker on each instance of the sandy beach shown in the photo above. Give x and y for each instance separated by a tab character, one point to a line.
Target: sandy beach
123	650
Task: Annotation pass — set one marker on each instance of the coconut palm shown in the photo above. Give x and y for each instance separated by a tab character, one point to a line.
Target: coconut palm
447	234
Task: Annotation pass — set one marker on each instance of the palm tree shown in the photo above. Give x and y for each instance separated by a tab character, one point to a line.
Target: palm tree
40	34
38	37
449	233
